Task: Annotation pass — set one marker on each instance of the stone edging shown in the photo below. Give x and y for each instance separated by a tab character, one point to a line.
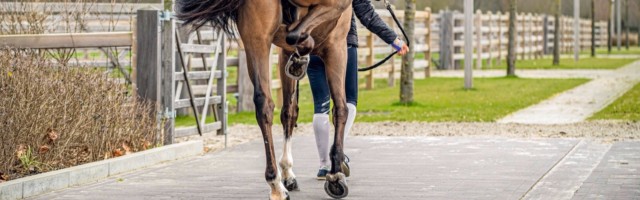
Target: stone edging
92	172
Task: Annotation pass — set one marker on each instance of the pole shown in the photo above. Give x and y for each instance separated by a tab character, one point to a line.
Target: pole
619	24
626	23
576	29
468	44
610	29
593	28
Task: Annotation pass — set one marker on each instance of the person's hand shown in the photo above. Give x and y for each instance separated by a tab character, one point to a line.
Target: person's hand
400	46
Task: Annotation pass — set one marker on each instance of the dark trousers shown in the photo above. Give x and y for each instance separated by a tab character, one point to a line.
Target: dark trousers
320	87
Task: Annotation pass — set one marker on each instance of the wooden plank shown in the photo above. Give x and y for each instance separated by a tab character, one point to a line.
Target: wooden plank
190	131
197	75
184	103
244	87
68	40
198	48
94	8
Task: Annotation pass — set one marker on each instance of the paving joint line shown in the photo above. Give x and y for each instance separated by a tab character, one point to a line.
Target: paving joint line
573	149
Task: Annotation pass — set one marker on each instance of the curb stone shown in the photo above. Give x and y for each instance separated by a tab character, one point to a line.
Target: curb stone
91	172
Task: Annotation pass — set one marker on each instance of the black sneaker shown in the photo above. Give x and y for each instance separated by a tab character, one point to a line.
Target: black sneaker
322	173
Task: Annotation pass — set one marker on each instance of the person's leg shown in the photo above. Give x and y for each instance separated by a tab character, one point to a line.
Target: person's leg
321	102
351	88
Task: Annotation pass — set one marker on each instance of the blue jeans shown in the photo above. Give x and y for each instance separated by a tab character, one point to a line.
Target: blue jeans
320	87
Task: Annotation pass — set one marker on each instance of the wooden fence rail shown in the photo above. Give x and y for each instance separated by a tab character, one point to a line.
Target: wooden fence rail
534	35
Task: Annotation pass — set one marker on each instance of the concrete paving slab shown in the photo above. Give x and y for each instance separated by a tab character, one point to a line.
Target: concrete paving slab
382	168
569	174
616	177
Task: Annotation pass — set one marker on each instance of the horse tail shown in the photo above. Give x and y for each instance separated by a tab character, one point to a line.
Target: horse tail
222	13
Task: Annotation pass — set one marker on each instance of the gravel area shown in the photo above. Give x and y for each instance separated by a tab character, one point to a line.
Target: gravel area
605	131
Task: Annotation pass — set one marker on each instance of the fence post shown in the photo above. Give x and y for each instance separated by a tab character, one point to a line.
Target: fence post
245	87
148	64
479	47
446	40
427	54
490	39
221	90
500	35
168	77
391	78
370	60
545	35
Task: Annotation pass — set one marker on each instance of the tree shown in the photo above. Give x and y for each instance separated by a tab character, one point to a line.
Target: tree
556	34
406	76
511	51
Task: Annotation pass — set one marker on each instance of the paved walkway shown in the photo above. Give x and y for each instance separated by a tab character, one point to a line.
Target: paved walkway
398	168
581	102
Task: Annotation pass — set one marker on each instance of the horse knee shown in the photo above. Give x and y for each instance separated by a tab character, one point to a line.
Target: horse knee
270	174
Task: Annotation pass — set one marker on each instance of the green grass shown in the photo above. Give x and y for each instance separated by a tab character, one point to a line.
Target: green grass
569	63
633	50
626	107
436	100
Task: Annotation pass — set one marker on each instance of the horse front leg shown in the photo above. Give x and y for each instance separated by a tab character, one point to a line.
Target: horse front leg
335	58
288	117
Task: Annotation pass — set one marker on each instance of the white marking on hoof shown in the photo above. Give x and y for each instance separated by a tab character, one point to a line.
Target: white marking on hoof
278	191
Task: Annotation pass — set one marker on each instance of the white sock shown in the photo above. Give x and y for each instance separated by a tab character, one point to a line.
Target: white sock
321	130
350	119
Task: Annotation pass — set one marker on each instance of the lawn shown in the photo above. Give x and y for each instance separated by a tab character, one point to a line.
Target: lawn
569	63
626	107
437	100
614	51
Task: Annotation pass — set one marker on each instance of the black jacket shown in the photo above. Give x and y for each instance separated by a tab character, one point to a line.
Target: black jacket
363	9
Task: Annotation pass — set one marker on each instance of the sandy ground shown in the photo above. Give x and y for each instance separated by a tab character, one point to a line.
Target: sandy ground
605	131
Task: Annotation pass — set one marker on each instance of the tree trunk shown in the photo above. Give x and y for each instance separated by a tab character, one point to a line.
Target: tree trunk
556	34
406	76
593	28
511	51
626	23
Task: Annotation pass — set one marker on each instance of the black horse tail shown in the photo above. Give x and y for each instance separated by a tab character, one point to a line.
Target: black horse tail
222	13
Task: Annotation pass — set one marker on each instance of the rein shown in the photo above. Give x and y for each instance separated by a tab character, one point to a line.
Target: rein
393	15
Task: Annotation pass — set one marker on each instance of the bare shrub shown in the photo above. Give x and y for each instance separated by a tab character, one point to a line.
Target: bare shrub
52	117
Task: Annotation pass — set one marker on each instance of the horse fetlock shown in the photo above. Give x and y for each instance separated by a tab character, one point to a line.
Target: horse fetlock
291	184
336	177
278	191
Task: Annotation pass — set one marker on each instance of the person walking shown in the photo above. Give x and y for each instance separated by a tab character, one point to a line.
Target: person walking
364	11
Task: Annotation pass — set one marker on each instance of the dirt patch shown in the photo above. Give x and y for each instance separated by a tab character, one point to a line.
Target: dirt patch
606	131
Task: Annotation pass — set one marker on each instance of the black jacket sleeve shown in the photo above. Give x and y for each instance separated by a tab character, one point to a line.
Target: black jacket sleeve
367	15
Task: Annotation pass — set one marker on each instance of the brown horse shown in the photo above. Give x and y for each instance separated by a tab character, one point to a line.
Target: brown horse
319	27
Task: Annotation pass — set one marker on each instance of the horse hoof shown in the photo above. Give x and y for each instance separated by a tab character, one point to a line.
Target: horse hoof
291	185
296	67
337	188
294	38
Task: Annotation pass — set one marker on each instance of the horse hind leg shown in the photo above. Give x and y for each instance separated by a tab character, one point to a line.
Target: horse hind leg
288	117
254	30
